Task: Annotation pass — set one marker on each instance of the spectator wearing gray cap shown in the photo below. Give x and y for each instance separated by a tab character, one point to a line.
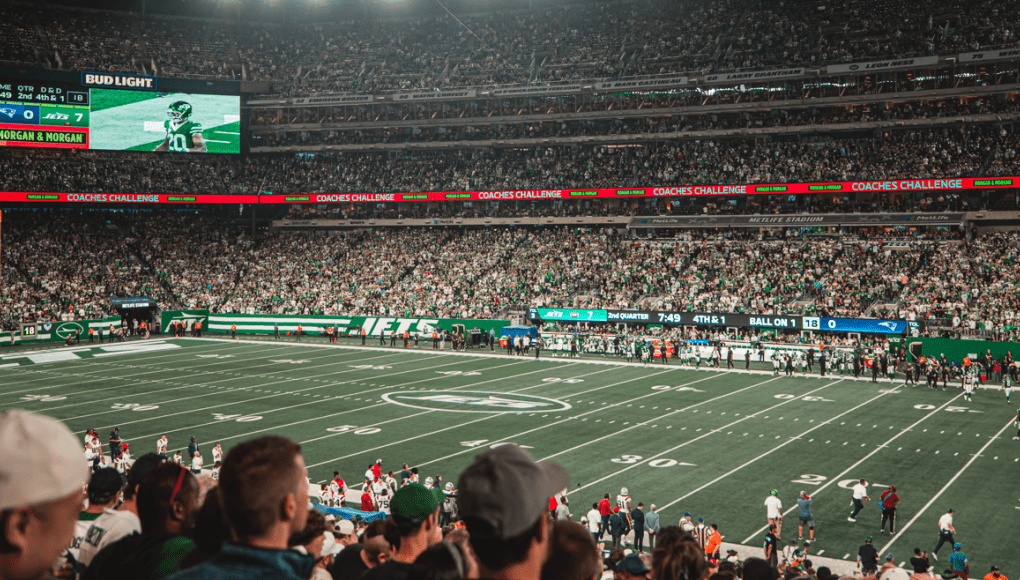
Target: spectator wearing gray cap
264	496
41	479
504	503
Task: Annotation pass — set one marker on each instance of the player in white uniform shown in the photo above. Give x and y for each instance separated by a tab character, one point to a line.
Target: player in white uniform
325	495
382	501
217	453
623	502
178	458
970	383
123	461
338	489
162	442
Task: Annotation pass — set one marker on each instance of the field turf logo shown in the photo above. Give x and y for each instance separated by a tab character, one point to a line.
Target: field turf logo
474	401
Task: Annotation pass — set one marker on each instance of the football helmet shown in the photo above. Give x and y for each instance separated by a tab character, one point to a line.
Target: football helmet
623	491
179	111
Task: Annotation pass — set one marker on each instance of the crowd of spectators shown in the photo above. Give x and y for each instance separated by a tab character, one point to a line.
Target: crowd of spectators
921	154
60	265
541	45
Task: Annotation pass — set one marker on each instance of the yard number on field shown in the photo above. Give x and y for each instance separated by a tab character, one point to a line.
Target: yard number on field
369	367
480	442
354	429
559	380
682	389
458	373
803	398
951	409
238	418
133	407
42	398
654	463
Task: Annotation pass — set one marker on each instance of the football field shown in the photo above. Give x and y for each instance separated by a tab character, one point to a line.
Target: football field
709	442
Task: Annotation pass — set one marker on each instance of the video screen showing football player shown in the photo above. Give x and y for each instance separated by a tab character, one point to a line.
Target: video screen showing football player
182	134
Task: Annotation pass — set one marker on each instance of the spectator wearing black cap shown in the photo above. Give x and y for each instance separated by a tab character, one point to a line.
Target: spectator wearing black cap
114	524
168	505
995	574
504	503
102	494
264	496
41	478
413	526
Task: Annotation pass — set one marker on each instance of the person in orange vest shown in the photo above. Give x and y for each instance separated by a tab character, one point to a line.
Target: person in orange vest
407	336
435	340
669	352
145	330
364	335
233	331
298	333
198	328
91	332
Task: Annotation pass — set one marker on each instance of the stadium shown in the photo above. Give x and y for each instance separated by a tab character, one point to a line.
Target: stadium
442	289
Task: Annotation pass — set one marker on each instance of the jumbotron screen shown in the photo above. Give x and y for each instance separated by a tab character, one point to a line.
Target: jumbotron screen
117	112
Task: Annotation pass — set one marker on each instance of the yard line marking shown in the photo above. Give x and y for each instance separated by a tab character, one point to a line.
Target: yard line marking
372	406
247	400
571	418
885	548
655	419
53	369
861	460
485	418
685	443
339	397
192	385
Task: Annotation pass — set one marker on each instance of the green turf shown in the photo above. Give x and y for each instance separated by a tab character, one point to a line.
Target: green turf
101	99
708	442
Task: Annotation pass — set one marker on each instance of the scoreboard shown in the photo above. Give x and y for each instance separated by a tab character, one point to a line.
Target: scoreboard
37	114
86	110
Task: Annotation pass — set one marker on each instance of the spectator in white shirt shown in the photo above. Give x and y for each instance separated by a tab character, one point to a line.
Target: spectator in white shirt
196	463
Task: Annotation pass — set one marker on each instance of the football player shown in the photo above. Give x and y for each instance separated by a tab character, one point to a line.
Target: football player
623	502
182	134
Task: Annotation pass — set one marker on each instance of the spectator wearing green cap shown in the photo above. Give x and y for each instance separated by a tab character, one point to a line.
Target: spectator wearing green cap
413	526
867	558
958	562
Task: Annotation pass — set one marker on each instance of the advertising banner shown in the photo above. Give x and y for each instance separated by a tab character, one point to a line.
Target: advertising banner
888	219
882	65
536	91
346	325
641	84
755	75
186	316
990	55
117	198
60	331
955	184
435	95
334	100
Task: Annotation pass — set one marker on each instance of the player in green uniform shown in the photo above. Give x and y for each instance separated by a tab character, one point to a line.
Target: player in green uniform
182	134
1007	385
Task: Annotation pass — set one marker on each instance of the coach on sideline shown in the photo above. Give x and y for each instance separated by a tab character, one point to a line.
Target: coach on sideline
264	499
42	470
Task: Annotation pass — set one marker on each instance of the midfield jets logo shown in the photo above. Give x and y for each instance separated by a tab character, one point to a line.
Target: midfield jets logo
474	402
